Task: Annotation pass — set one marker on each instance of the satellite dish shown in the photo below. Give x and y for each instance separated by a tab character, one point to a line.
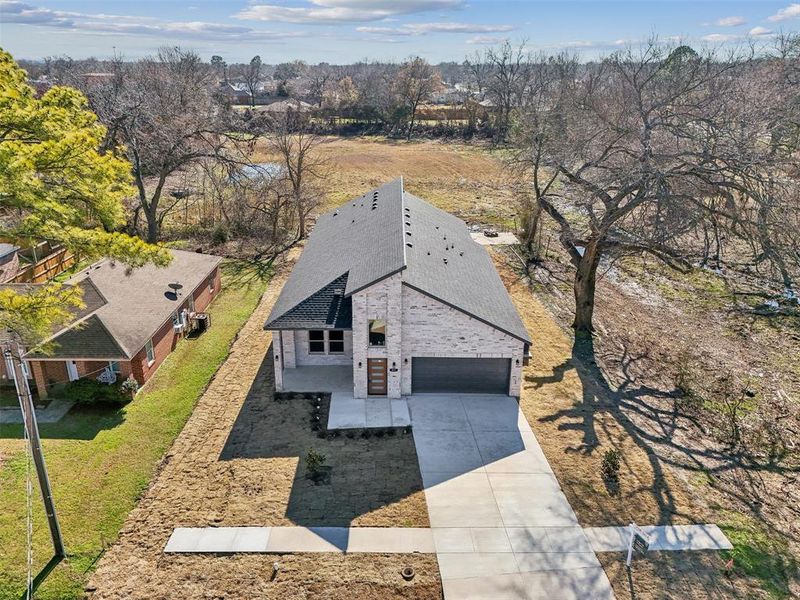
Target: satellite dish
175	286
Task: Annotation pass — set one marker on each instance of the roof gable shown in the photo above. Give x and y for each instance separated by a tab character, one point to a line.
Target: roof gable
387	231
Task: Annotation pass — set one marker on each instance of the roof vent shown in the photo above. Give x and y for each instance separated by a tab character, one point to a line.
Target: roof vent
408	233
409	244
445	260
408	224
461	254
335	213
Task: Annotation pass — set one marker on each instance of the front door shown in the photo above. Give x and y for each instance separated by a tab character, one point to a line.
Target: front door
376	376
72	370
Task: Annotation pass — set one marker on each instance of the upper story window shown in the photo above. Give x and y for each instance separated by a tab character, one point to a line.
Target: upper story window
377	332
322	341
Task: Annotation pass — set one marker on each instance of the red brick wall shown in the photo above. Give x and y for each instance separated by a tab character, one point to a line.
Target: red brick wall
165	340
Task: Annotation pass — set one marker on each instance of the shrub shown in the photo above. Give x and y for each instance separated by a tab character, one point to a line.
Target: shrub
314	461
219	235
609	468
130	385
90	392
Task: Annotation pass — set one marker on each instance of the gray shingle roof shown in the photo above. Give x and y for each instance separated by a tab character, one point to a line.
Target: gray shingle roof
402	233
327	309
130	305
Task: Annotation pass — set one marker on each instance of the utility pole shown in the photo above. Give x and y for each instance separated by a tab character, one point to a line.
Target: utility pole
14	361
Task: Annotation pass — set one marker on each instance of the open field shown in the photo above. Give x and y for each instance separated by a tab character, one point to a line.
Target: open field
100	461
466	180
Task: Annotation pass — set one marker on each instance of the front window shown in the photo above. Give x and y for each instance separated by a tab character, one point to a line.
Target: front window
336	342
176	319
316	341
377	332
190	304
322	341
113	366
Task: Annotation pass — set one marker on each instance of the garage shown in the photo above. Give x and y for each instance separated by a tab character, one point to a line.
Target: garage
435	375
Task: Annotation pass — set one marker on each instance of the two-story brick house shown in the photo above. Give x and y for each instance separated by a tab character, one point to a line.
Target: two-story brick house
398	289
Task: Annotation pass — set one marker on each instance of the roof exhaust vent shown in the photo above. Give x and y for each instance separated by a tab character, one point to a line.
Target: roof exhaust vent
409	244
445	260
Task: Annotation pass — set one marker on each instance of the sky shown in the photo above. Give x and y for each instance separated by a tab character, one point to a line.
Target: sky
344	31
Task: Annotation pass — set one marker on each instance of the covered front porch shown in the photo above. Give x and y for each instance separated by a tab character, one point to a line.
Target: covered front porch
346	411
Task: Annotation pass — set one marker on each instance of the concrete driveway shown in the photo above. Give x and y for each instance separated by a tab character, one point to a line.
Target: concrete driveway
502	526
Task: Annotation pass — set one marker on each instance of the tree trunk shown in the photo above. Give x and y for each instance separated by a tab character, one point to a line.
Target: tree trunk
584	287
153	229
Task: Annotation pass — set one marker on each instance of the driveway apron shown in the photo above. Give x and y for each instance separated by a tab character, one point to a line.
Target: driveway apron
502	526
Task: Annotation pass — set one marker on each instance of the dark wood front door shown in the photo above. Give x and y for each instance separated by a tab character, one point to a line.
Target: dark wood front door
376	376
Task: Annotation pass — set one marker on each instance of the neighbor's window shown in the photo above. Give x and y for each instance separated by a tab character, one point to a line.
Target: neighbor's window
316	341
113	366
377	332
151	356
176	319
211	285
336	342
190	303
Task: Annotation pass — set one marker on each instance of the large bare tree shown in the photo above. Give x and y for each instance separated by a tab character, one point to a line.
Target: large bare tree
163	111
639	154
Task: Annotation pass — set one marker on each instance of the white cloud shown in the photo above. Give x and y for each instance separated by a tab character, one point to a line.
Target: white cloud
343	11
717	38
759	31
26	14
425	28
732	21
790	12
486	39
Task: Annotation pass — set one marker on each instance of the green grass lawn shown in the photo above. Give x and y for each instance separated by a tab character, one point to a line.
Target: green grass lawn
101	460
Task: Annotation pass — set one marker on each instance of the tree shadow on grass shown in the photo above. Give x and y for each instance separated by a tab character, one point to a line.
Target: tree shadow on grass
246	271
80	423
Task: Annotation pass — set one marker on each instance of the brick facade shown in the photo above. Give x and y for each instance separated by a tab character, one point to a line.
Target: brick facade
48	372
416	326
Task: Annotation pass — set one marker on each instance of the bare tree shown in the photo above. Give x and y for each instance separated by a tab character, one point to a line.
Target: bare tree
162	110
320	78
290	138
634	155
252	78
505	77
415	83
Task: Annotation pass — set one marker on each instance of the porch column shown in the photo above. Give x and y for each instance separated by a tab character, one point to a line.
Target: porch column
38	377
289	354
515	381
278	358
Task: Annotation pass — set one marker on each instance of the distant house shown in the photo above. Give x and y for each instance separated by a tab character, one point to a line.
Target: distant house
287	105
236	93
131	321
396	293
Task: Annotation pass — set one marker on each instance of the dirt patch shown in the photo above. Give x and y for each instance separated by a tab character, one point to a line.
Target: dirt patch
238	462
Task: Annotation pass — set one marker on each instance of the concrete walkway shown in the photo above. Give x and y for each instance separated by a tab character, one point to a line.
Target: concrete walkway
662	537
502	526
347	412
53	413
279	540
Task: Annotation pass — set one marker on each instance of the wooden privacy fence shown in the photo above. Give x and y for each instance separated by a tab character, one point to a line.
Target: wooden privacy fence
44	270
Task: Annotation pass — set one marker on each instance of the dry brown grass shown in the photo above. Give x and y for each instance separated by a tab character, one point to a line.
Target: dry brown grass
466	180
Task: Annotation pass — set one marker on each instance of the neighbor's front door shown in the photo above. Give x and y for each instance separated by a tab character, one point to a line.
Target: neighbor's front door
72	370
376	376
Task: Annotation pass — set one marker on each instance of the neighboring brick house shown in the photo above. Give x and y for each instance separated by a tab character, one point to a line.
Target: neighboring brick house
131	321
398	289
